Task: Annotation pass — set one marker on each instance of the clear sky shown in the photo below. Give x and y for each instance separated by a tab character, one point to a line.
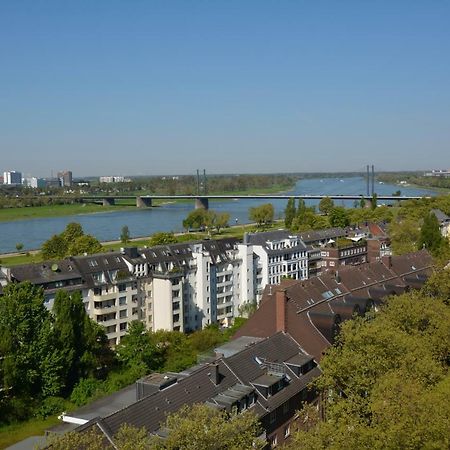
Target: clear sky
149	87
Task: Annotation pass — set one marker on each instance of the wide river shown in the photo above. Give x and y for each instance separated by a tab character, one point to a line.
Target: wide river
143	222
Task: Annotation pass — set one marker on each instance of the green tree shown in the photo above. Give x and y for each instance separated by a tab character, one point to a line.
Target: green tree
430	235
196	219
19	246
85	244
218	220
289	212
301	207
72	241
55	247
339	217
136	349
326	205
125	235
24	333
387	380
373	202
72	231
81	341
262	215
201	427
404	236
163	238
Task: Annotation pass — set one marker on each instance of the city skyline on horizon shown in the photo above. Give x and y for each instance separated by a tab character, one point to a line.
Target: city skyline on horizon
162	88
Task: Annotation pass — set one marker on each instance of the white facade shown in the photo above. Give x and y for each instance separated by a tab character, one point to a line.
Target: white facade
182	287
12	177
278	255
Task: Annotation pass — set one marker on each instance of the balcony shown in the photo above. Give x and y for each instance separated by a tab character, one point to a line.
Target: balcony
103	297
105	309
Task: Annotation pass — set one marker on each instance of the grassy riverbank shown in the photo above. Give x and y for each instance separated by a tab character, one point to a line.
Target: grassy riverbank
36	212
237	231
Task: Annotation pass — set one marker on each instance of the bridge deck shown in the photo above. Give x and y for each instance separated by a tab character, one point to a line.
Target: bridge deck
239	197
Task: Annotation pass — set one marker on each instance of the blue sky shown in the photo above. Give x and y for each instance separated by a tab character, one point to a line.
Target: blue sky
151	87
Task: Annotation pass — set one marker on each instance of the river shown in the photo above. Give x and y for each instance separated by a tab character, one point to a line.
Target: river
143	222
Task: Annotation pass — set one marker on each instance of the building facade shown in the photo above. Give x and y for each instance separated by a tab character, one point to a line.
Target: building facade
12	178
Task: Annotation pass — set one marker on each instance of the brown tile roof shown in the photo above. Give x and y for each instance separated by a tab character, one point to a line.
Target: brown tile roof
314	308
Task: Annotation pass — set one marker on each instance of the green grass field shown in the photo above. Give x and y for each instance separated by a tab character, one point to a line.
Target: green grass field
11	434
35	212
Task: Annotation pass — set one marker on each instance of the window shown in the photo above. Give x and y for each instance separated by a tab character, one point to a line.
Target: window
122	287
122	301
123	313
123	326
273	441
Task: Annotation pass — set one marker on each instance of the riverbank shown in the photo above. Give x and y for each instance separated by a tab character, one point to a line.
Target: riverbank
237	231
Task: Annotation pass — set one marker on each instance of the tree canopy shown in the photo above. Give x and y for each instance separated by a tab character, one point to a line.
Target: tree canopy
326	204
72	241
387	379
44	354
262	215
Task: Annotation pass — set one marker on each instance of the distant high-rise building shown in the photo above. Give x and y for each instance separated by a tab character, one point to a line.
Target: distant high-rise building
12	177
65	177
35	183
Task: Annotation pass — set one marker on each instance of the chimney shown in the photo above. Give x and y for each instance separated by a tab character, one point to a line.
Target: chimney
280	309
214	375
387	261
337	277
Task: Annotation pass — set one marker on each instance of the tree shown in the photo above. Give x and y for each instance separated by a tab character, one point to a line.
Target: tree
201	427
262	215
137	350
301	207
163	238
19	246
81	341
373	202
72	241
326	205
218	220
430	234
404	236
55	247
197	219
23	319
289	212
125	235
387	380
85	244
339	217
72	231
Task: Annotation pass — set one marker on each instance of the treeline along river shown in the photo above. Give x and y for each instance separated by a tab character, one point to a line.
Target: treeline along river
143	222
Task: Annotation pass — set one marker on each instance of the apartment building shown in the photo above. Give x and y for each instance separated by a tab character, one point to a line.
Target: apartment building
278	254
183	287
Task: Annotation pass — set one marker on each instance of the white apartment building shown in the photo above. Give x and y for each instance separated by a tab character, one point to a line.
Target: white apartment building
182	287
279	254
